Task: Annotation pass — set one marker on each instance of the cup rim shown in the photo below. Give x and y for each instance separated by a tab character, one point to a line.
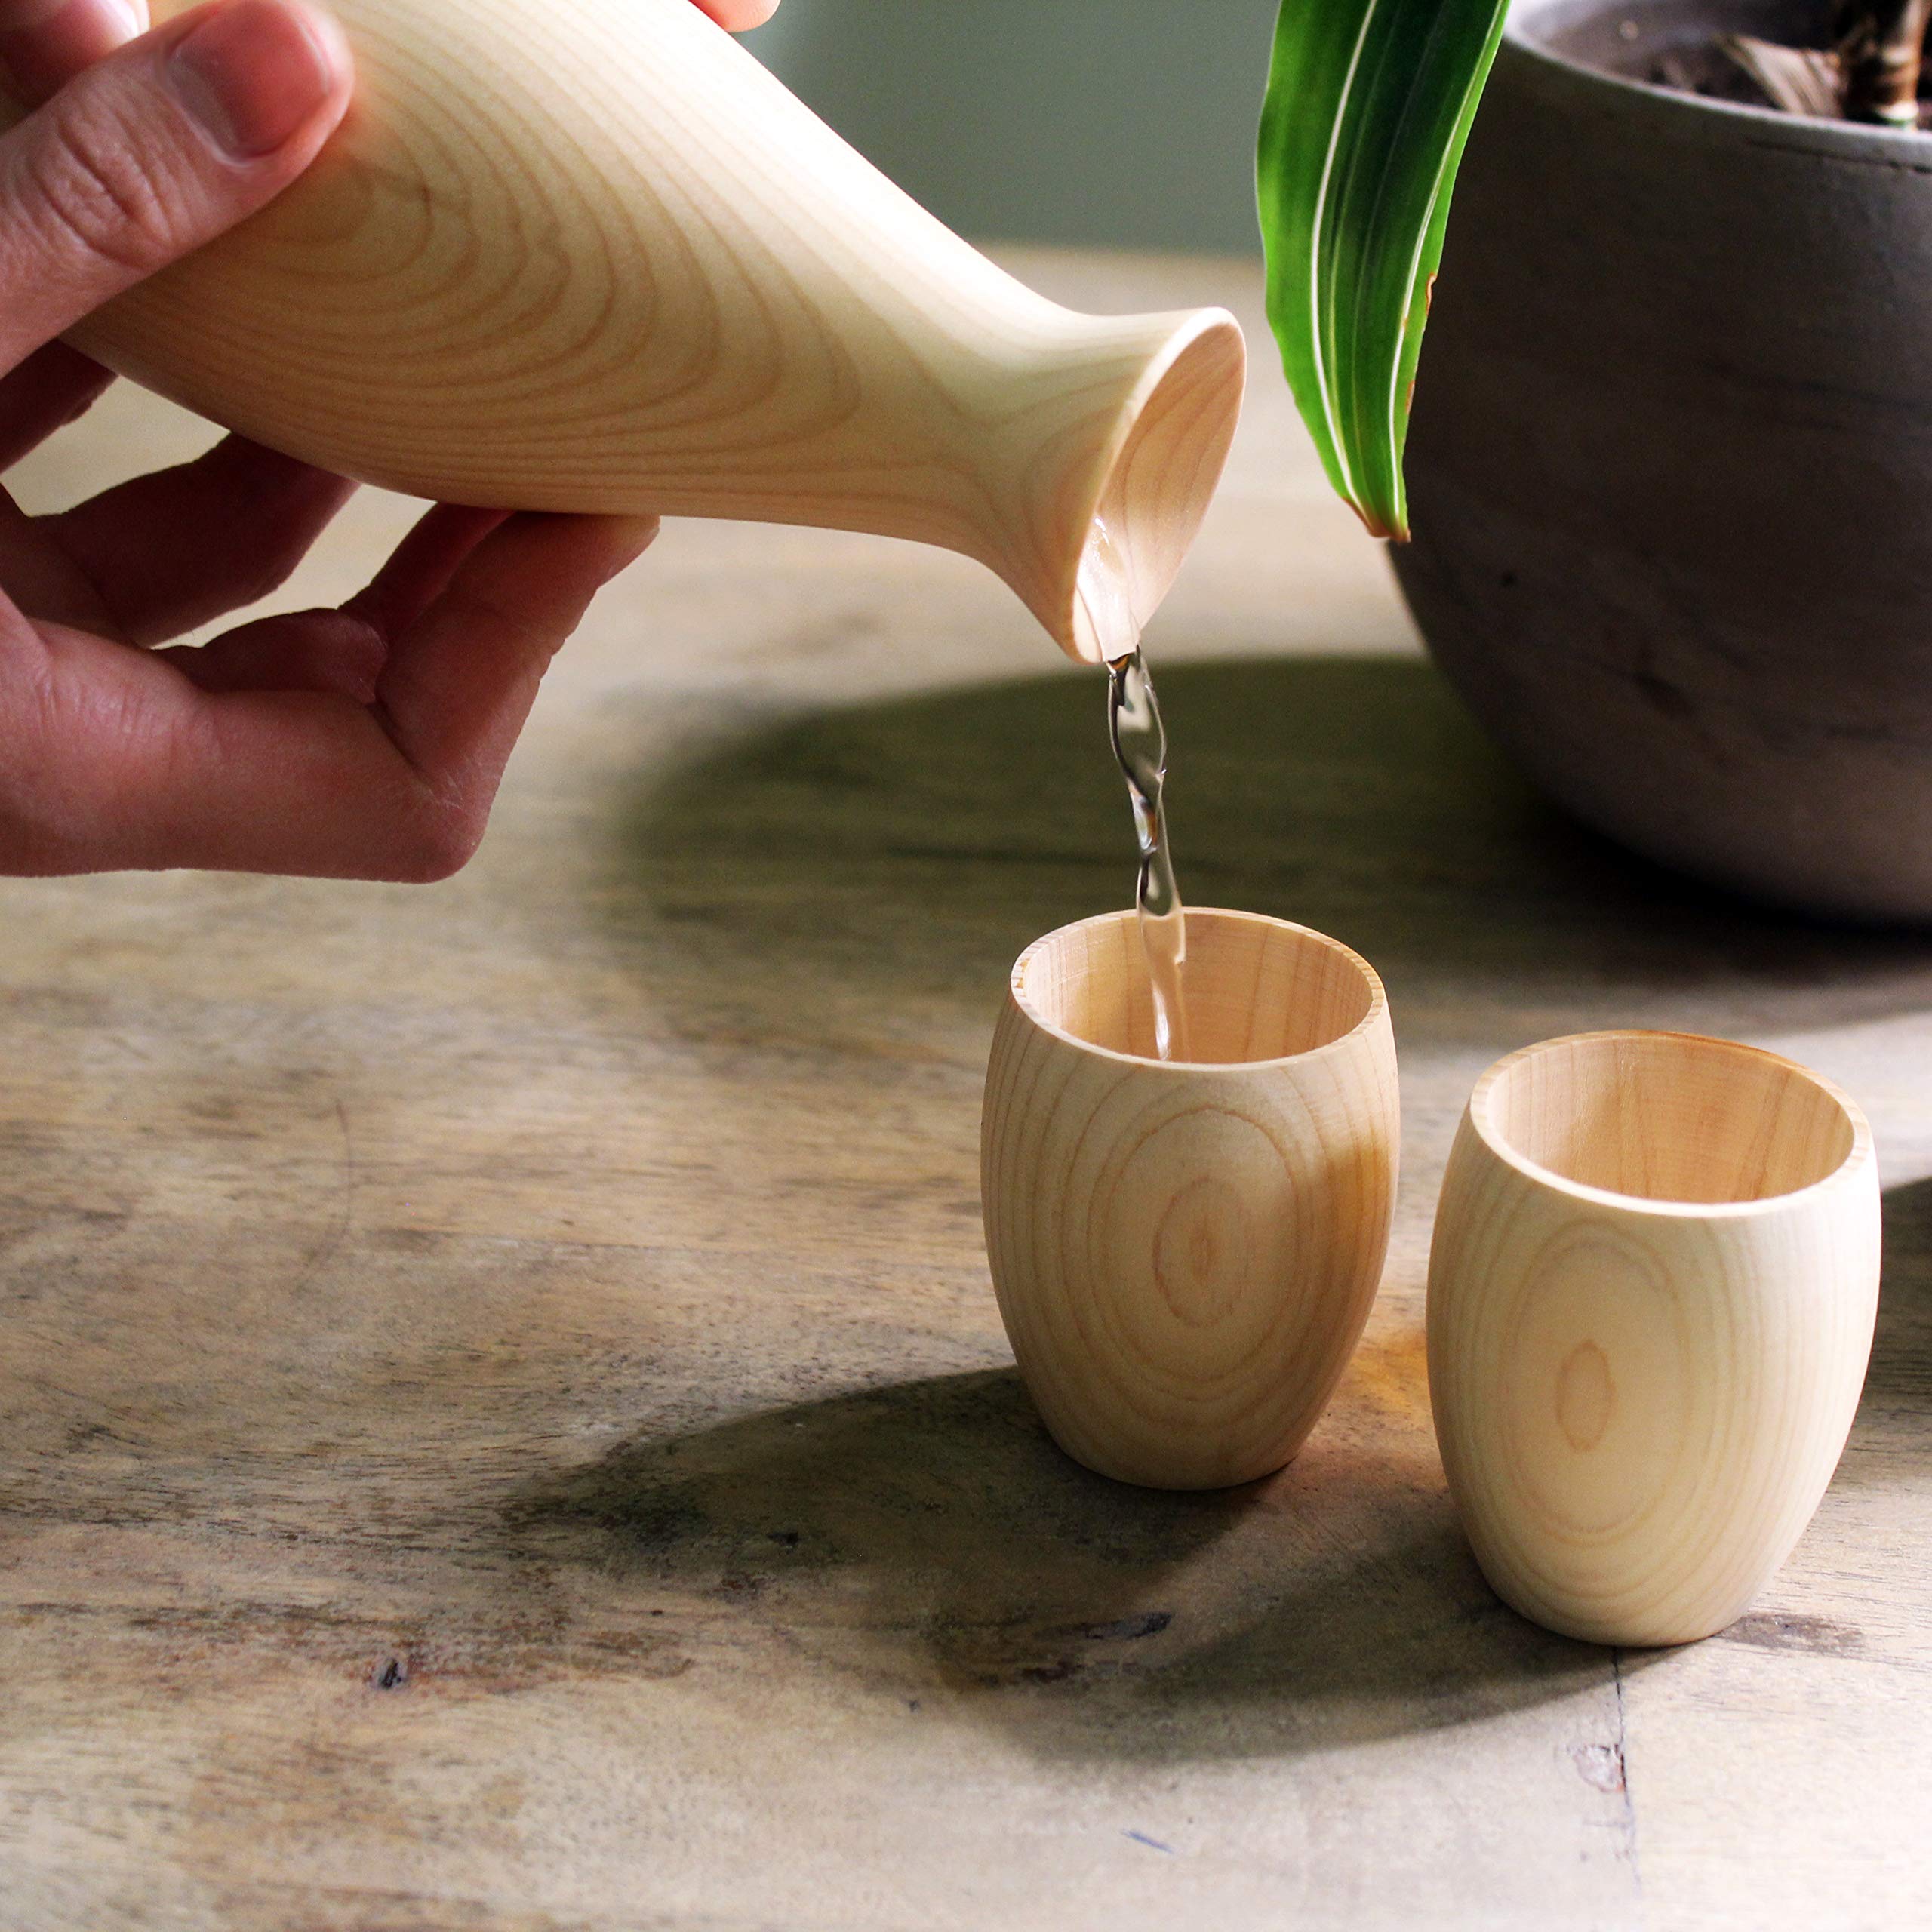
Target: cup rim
1378	998
1859	1154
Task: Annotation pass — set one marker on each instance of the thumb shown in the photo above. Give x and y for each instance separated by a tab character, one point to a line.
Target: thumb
156	149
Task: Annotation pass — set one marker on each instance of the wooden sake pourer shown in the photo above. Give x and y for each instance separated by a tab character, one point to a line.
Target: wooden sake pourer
589	255
1185	1253
1651	1307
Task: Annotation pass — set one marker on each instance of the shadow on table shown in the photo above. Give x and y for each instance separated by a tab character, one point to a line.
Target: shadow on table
905	850
878	866
927	1540
1888	1443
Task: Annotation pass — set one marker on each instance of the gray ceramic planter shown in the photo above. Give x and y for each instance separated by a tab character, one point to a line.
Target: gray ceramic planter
1669	468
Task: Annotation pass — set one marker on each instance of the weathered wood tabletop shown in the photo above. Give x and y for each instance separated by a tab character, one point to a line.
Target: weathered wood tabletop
504	1422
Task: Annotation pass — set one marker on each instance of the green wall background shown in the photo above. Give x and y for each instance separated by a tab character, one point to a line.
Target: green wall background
1125	122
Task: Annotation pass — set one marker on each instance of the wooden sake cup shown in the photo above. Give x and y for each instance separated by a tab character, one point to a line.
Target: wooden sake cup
1185	1253
1650	1304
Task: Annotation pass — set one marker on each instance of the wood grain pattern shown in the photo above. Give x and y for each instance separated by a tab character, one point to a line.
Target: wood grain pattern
567	1284
589	255
1651	1307
1185	1253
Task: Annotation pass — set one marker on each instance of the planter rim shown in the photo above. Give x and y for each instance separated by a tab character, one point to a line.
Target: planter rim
1524	42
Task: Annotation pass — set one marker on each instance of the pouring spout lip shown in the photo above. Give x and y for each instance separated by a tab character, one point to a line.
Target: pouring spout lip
1149	485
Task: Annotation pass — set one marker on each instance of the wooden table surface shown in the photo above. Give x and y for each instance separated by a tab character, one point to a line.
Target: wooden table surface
503	1423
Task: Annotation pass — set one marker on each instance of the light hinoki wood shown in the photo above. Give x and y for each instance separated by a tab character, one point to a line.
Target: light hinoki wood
588	255
1651	1305
458	1291
1185	1253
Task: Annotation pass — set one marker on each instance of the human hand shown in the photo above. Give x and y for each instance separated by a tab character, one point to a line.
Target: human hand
367	741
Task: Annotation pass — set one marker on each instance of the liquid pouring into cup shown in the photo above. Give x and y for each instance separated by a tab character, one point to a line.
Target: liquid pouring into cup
590	255
1140	745
1139	741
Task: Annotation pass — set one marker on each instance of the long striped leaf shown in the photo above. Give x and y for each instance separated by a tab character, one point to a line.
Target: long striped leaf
1369	105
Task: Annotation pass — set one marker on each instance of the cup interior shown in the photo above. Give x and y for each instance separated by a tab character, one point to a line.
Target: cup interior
1255	988
1668	1117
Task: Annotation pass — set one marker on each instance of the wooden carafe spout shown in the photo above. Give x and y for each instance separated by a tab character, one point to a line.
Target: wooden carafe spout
588	255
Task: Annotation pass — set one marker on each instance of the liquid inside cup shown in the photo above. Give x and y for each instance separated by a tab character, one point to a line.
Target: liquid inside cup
1668	1117
1254	989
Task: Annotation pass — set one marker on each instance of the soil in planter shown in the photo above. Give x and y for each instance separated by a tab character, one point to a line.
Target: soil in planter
1674	43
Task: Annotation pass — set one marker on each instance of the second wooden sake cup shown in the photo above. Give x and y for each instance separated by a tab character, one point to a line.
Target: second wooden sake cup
1651	1307
1186	1253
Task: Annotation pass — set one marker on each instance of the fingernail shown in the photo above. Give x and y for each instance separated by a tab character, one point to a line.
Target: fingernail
252	74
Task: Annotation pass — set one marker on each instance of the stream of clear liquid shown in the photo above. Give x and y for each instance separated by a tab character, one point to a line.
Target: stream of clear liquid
1140	748
1140	745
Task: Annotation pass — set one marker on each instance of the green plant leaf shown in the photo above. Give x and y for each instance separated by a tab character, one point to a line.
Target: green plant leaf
1369	105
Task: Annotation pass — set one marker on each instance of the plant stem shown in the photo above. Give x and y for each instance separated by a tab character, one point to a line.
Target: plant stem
1881	44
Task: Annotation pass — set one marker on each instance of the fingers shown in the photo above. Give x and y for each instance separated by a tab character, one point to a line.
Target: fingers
402	789
307	651
40	579
124	761
460	682
421	569
169	551
53	385
157	148
343	650
44	42
738	15
137	766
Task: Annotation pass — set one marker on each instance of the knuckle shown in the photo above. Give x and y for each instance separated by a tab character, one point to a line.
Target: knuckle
90	188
